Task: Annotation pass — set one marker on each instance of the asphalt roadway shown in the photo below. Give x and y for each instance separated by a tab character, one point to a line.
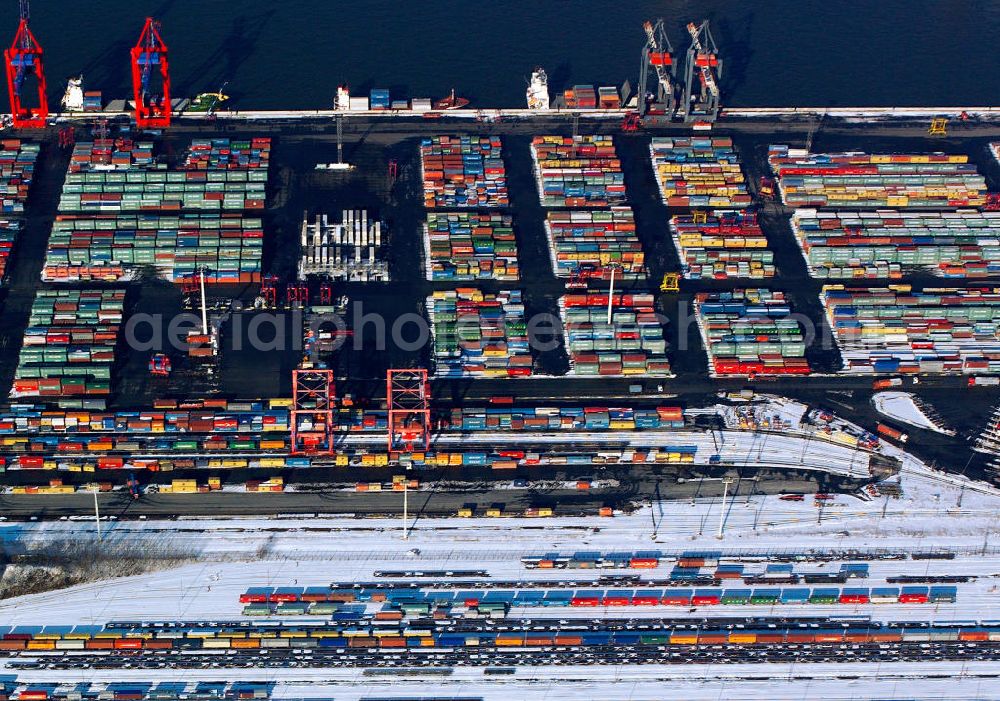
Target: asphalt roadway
424	502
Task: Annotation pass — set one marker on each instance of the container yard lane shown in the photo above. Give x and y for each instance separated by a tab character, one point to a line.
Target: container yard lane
583	181
23	274
504	246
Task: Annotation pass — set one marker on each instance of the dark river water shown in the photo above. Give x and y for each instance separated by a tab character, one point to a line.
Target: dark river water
292	54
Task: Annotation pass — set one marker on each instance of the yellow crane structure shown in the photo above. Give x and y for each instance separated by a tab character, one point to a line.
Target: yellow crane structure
670	282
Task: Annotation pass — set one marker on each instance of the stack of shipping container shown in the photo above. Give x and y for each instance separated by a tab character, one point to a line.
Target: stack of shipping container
69	345
225	154
113	154
592	237
718	241
899	330
163	191
564	418
17	168
8	237
582	97
632	344
379	99
122	210
862	180
463	171
750	332
925	220
592	240
93	101
175	247
722	244
580	171
699	172
585	97
465	246
478	334
886	244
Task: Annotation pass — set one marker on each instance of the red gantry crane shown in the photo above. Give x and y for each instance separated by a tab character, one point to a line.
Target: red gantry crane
314	399
408	395
152	111
22	59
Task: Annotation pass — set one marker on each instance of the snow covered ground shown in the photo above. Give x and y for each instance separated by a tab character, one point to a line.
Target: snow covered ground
934	511
902	406
776	682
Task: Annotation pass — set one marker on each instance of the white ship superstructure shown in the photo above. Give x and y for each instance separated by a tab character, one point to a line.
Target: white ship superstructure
538	90
72	99
343	99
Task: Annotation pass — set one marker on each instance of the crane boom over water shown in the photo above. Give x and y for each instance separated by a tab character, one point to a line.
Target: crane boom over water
658	54
151	110
704	65
21	60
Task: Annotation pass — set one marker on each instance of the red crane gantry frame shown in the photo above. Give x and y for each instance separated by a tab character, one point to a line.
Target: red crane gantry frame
408	395
296	293
22	58
269	291
314	397
150	52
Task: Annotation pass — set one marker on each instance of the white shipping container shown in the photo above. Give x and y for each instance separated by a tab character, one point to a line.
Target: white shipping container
359	104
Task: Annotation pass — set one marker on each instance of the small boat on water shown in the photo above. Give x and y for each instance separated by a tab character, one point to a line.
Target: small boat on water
208	101
451	102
